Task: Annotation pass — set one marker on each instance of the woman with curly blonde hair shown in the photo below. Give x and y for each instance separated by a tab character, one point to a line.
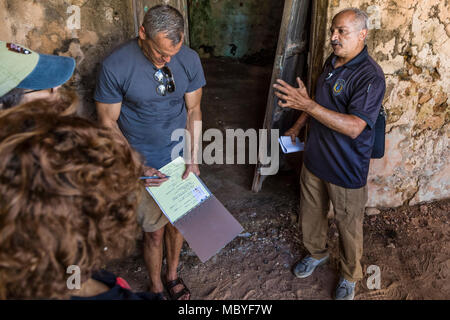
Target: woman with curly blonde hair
68	194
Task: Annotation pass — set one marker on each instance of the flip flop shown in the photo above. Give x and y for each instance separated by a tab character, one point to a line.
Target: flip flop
175	296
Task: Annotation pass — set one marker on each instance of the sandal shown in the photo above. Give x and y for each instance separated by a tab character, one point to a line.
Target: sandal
175	296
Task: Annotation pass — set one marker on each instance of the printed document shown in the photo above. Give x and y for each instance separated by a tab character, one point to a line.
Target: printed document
176	196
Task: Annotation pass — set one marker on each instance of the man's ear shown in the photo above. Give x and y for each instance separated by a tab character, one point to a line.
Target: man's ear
363	34
142	34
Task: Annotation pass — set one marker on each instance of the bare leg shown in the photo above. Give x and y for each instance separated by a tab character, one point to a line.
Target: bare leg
174	242
153	255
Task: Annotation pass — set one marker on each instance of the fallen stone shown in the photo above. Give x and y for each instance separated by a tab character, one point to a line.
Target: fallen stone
372	211
245	235
423	209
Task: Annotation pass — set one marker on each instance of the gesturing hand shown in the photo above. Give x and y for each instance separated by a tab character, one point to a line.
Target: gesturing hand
295	98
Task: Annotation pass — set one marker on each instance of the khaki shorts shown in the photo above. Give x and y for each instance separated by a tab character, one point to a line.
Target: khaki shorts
149	215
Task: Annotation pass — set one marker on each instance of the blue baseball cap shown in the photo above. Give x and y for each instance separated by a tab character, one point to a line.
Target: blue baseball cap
23	68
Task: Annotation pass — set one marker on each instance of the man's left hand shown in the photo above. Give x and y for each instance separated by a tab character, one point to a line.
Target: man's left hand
191	168
295	98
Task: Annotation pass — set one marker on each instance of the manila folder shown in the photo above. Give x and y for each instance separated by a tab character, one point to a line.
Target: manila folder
208	228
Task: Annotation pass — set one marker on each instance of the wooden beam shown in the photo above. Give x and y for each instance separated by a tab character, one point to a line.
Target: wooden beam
317	42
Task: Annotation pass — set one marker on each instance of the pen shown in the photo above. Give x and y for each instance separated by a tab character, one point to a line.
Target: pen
153	177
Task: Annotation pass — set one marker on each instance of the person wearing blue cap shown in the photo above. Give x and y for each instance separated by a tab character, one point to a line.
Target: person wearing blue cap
26	75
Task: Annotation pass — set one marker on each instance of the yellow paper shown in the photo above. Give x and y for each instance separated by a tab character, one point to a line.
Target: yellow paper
176	196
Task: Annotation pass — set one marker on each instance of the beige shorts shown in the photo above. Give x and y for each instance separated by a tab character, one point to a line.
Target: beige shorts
149	215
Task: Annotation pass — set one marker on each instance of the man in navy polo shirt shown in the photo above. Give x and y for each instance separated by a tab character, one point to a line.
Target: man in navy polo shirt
348	99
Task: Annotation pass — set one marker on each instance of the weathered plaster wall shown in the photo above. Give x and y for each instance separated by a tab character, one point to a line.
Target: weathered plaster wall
55	27
235	28
410	40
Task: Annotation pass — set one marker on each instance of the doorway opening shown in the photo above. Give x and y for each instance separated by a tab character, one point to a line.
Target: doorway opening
245	46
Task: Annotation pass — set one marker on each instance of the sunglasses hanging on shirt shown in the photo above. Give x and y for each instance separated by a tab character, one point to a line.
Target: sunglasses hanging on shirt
167	86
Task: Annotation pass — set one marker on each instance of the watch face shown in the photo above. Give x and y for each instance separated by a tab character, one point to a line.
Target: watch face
15	48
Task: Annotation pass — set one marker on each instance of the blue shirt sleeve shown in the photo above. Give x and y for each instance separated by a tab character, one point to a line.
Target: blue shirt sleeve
195	75
367	99
108	89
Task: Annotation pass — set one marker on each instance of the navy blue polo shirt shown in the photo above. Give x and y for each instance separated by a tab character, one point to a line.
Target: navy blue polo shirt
355	88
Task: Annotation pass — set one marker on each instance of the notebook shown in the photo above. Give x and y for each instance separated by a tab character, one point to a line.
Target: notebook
288	147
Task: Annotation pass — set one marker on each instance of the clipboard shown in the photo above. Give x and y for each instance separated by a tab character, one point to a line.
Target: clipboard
208	226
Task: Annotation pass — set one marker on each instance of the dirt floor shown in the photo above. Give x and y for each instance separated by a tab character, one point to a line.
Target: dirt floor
409	244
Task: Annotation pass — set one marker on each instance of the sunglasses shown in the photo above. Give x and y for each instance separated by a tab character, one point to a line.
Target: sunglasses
163	88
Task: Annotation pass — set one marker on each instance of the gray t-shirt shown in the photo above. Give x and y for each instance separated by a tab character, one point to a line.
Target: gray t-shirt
147	119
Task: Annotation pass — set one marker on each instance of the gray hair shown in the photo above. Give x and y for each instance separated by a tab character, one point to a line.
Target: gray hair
361	18
166	19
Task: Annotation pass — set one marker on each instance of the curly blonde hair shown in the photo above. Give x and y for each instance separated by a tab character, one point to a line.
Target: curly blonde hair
69	189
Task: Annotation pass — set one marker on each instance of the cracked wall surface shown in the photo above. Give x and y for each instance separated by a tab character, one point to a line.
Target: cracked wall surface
53	27
408	38
410	41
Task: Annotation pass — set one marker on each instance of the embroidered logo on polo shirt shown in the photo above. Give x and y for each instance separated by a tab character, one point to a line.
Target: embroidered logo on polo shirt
338	87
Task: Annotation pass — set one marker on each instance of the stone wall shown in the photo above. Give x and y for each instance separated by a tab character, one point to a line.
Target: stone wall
85	30
410	40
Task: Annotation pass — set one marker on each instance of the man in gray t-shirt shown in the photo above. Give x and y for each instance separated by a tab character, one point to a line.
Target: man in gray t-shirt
146	89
